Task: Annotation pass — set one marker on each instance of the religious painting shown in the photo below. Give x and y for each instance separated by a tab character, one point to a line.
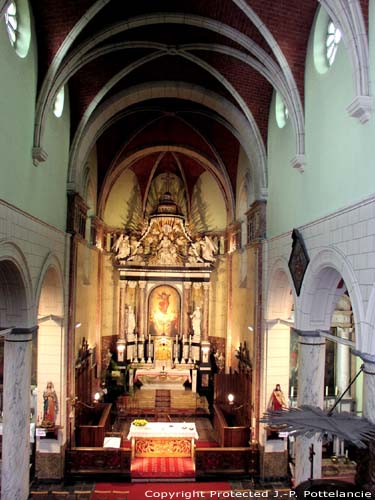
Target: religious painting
164	311
298	261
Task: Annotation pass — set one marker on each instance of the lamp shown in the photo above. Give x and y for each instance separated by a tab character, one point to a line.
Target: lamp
120	349
250	328
230	398
75	402
78	325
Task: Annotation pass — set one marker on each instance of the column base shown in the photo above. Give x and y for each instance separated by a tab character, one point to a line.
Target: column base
273	463
50	465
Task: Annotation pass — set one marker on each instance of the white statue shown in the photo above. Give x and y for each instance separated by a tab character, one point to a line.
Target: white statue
167	251
122	246
196	321
193	254
208	249
131	321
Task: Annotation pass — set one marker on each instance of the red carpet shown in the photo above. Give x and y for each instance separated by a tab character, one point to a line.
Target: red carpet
162	467
142	491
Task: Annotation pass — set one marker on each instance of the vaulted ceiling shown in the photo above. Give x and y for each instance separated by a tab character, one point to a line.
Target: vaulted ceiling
194	79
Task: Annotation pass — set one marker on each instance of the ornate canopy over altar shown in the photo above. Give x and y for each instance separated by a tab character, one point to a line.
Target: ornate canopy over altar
164	274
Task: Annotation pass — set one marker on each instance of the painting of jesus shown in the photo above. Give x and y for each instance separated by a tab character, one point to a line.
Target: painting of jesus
164	311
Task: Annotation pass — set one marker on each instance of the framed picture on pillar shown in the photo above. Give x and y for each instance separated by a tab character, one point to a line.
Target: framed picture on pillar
298	260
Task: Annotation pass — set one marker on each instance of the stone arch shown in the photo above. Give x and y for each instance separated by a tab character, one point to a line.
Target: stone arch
17	307
277	350
320	292
220	174
281	295
280	77
85	139
51	335
349	17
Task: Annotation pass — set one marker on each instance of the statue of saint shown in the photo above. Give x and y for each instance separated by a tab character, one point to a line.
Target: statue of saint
208	249
50	406
131	321
196	321
277	400
122	247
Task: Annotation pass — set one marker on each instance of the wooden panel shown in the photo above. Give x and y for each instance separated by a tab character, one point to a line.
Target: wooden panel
229	435
93	435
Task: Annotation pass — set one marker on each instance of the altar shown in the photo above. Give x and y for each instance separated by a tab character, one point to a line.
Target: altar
163	439
162	379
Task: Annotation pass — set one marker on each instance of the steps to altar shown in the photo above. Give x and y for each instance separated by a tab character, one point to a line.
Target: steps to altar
181	404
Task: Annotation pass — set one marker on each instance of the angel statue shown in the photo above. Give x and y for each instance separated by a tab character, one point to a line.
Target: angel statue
122	246
208	249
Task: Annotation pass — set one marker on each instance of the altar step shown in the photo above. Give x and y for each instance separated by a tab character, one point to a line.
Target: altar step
161	468
176	403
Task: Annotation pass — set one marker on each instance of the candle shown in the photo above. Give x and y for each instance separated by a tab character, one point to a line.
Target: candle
326	390
346	453
291	391
336	390
189	339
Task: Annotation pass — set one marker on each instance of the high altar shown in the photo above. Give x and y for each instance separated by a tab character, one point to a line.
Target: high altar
164	275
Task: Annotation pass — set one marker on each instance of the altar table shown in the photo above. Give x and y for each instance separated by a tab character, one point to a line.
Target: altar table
163	439
159	379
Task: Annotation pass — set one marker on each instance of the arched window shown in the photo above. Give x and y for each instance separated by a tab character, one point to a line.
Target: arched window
58	105
281	111
11	22
332	41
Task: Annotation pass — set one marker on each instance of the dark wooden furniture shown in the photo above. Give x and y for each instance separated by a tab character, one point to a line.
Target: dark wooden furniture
229	434
94	423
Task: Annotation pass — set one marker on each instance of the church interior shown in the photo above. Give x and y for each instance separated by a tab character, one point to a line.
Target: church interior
187	241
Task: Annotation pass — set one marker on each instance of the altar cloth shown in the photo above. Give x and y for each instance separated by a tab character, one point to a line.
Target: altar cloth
160	378
164	429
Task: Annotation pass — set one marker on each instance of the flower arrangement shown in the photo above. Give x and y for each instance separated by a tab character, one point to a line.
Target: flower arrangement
139	422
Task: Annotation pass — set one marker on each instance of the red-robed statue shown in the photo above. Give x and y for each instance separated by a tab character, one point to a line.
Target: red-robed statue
277	400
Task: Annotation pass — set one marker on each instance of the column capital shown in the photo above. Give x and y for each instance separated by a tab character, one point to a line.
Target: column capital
21	334
206	286
132	284
365	356
123	284
309	337
305	333
197	285
142	284
187	285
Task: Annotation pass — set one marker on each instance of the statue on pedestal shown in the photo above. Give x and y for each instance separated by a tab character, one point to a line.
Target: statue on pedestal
196	322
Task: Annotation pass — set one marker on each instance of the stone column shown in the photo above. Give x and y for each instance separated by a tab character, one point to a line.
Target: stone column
141	309
311	360
122	322
206	296
16	422
121	330
343	362
186	308
368	474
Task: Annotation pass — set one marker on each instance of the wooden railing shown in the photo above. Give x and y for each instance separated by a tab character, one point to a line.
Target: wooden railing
230	434
98	461
228	462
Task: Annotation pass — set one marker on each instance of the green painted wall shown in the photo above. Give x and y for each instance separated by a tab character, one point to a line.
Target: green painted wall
33	189
339	151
